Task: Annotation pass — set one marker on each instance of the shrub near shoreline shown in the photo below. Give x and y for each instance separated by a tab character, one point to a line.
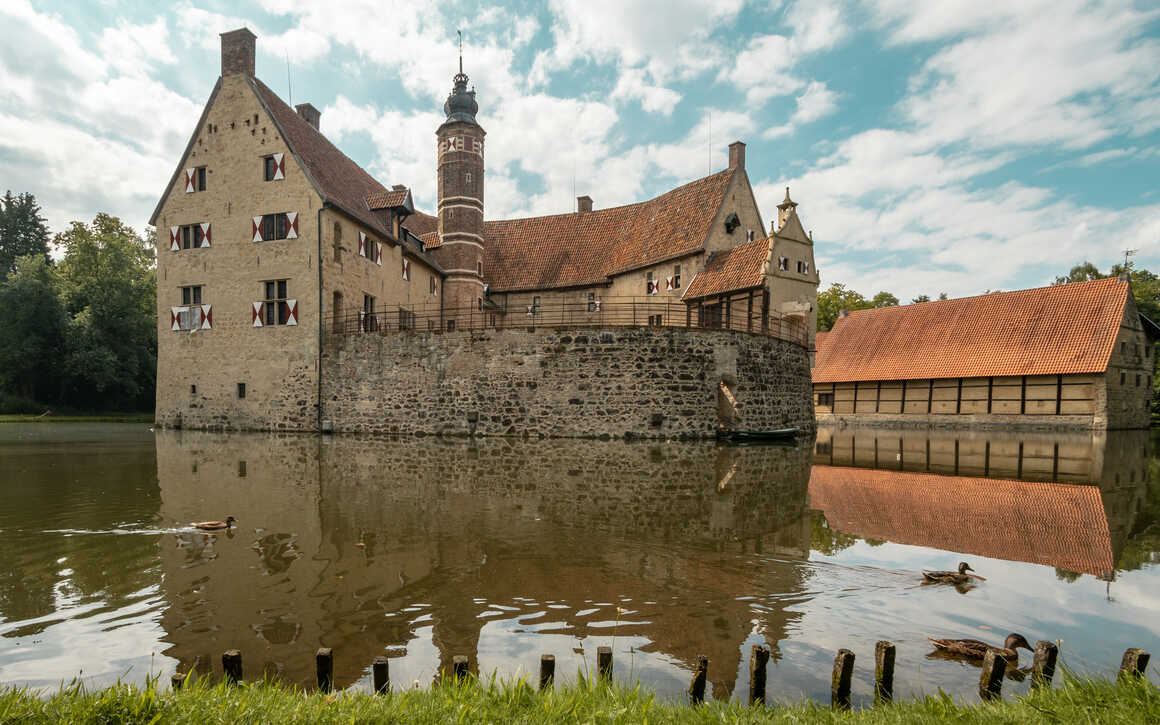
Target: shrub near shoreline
1075	701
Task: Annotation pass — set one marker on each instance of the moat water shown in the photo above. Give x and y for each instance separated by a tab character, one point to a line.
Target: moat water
503	550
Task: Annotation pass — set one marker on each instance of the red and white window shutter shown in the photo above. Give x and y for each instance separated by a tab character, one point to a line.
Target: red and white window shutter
174	239
190	187
175	318
257	229
205	235
362	244
292	225
669	284
257	314
654	286
279	167
291	312
406	269
207	317
379	253
596	305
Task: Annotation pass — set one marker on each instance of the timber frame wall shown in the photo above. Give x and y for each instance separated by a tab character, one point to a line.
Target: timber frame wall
1030	395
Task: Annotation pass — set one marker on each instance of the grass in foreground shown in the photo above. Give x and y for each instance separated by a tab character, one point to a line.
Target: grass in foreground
1075	701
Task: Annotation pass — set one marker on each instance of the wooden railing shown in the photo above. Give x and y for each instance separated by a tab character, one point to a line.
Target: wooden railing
623	312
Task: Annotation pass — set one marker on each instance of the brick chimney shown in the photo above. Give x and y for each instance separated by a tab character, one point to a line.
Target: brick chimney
309	113
584	203
238	52
737	155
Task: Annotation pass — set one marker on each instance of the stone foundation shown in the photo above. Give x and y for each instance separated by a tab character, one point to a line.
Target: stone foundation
580	382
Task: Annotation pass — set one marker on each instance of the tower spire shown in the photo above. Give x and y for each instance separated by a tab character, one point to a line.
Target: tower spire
460	34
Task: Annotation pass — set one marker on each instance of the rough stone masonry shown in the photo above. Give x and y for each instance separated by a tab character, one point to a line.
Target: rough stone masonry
574	382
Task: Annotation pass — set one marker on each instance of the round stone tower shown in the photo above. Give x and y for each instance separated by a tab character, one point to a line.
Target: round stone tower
460	207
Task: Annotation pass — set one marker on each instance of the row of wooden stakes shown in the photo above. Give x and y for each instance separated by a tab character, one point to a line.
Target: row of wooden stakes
1134	664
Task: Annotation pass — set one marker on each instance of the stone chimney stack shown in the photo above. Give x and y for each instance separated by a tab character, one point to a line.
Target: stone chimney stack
584	203
238	52
309	113
737	155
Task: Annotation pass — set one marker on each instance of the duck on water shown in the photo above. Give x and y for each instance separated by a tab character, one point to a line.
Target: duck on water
214	525
951	577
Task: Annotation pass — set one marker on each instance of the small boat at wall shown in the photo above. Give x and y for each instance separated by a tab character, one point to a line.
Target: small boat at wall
758	436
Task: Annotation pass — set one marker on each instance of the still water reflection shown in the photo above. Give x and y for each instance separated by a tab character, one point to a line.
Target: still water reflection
504	550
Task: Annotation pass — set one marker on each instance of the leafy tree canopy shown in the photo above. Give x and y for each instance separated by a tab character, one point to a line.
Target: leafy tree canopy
31	329
22	230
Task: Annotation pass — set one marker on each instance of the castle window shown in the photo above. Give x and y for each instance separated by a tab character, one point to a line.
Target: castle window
199	178
783	264
433	288
192	236
1123	378
535	305
591	301
269	227
191	315
677	277
191	295
337	242
274	167
826	399
276	308
479	268
241	395
369	320
749	235
467	177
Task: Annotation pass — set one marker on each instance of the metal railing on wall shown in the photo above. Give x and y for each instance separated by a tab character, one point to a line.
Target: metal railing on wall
627	312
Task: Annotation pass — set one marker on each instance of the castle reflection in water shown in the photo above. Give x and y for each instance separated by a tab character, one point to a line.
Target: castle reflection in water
358	544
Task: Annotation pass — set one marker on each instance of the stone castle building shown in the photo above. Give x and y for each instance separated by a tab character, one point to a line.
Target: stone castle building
1075	355
271	241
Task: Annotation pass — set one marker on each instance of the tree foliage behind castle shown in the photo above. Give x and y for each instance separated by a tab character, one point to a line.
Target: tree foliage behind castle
78	333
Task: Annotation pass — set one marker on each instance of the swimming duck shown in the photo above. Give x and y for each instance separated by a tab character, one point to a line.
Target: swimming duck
951	577
975	650
214	525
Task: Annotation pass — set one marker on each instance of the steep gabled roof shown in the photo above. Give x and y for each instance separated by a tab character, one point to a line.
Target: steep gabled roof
1054	524
587	248
1063	329
185	154
739	268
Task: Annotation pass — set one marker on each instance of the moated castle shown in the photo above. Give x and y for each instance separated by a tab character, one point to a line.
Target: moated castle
297	292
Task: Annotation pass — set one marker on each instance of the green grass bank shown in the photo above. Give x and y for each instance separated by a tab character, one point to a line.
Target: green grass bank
1074	701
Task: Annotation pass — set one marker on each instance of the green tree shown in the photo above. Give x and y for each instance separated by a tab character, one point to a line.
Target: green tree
22	230
108	284
920	298
884	299
835	299
32	329
1085	272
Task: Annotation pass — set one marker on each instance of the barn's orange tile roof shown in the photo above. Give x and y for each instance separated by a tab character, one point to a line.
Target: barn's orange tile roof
1045	331
741	267
586	248
1054	524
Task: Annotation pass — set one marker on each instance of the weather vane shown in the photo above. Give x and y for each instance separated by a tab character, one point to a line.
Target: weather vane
460	34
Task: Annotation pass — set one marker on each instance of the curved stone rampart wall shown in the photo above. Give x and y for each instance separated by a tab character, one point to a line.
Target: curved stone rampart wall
577	382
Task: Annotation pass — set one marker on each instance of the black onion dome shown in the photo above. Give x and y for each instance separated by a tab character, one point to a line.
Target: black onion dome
461	105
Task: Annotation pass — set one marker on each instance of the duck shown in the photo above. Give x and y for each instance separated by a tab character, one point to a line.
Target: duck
973	649
214	525
951	577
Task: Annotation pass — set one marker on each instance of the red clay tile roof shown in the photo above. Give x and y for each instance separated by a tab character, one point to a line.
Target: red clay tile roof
586	248
738	268
1054	524
425	227
819	339
387	199
1045	331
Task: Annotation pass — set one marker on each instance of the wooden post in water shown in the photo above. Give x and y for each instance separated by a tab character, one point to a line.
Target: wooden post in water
604	663
547	671
991	681
758	657
324	664
840	681
232	666
1134	664
700	675
382	675
176	680
884	671
459	665
1043	668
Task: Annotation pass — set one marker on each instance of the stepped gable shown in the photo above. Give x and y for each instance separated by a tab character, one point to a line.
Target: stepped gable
739	268
1053	524
587	248
1062	329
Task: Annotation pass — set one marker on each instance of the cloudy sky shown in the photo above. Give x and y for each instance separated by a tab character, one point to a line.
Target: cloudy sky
948	146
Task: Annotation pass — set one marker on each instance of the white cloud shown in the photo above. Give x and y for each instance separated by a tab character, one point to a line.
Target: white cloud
632	85
817	101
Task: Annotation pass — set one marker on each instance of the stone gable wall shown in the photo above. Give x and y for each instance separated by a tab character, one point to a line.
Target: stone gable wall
581	382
